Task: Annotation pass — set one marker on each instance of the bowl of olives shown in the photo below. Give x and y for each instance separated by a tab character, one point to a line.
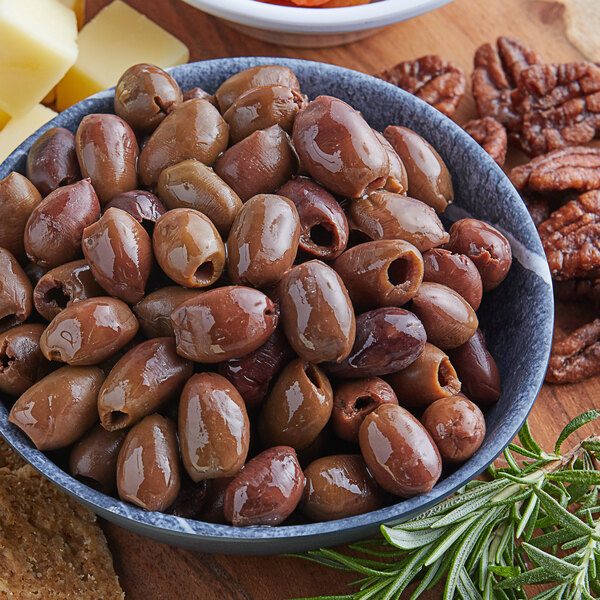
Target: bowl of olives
263	305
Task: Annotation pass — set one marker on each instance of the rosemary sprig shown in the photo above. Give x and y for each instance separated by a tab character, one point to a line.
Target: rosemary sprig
531	523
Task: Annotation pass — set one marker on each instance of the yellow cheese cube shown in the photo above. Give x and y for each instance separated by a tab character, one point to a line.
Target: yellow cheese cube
18	129
114	40
37	47
78	7
4	119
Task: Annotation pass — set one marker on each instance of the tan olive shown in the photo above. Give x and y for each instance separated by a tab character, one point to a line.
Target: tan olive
258	164
263	241
383	215
191	184
195	129
188	248
18	198
262	107
428	176
214	430
231	89
15	292
380	273
429	378
59	409
298	407
148	464
397	180
448	318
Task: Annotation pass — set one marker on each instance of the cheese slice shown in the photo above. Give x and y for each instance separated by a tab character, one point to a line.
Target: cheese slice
37	47
18	129
78	7
114	40
4	119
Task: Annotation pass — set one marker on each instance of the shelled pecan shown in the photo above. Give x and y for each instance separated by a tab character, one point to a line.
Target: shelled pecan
571	238
438	82
577	357
491	135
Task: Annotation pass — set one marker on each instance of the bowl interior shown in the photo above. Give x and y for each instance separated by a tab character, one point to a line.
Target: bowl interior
516	317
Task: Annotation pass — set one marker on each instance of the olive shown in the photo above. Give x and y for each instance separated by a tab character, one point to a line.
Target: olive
143	206
15	292
399	451
199	93
298	407
263	241
214	430
57	410
397	180
457	427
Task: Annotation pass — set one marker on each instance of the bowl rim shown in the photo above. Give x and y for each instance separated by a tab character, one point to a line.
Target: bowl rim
170	526
261	15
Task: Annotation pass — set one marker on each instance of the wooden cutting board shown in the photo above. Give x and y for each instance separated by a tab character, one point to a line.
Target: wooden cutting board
152	571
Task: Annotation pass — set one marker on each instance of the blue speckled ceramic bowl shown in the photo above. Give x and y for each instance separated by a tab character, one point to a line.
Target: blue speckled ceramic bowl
516	317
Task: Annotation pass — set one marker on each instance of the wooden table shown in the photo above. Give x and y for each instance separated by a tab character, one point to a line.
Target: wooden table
152	571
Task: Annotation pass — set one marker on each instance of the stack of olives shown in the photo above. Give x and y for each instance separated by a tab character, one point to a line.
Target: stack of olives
230	307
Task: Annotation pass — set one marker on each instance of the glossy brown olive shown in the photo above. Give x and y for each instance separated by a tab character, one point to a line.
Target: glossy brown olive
52	161
323	224
258	164
261	107
18	199
317	314
231	89
62	286
143	206
477	370
55	227
386	216
21	360
88	332
107	151
457	427
154	311
188	248
448	318
428	176
387	340
338	487
430	377
57	410
15	292
93	459
397	180
214	430
267	490
263	241
191	184
252	374
399	451
381	273
199	93
119	252
145	95
485	246
193	130
144	379
224	323
148	464
457	271
298	407
354	400
339	149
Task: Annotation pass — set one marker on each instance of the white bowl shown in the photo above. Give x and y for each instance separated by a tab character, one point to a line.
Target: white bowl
313	27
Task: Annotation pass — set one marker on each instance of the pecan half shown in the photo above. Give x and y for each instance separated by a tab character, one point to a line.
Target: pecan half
574	168
560	105
577	357
438	82
495	78
571	238
491	135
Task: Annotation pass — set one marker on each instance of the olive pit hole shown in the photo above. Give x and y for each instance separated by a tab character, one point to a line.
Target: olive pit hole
362	402
398	271
6	361
204	272
116	419
447	376
312	375
57	296
321	236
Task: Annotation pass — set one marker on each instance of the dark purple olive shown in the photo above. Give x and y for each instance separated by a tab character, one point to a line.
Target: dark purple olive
143	206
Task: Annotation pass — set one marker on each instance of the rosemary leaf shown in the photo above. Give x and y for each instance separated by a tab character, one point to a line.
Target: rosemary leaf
574	425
